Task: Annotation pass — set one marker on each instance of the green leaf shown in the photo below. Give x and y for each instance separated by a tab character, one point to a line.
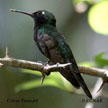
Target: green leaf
31	72
55	80
100	61
98	17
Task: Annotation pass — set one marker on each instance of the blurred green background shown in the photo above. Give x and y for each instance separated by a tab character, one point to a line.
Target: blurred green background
16	32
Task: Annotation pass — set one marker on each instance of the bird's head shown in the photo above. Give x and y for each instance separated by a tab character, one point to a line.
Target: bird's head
44	17
40	17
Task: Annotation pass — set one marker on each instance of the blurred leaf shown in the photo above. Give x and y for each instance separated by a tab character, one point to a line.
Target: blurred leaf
100	61
31	72
36	83
98	17
87	64
55	79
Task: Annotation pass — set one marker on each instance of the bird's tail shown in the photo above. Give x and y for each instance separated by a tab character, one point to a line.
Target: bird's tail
69	76
83	85
74	77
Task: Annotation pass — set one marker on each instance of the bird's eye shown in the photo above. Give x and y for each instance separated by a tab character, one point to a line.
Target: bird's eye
43	13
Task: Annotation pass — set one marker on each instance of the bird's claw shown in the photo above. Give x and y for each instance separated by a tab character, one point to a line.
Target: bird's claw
45	63
57	64
43	74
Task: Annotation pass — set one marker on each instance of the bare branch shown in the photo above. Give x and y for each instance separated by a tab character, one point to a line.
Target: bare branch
32	65
94	72
7	61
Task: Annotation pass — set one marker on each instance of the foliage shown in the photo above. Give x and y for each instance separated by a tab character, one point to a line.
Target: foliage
97	14
55	79
98	17
100	61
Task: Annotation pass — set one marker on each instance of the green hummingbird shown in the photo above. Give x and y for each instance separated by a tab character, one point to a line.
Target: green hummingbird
52	44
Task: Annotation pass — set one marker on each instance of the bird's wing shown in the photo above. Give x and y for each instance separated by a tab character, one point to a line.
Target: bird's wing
68	56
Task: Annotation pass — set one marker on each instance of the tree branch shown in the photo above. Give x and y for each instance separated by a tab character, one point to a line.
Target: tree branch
9	61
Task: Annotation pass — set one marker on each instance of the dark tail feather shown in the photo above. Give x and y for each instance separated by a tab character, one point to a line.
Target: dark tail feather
68	75
75	78
79	78
84	86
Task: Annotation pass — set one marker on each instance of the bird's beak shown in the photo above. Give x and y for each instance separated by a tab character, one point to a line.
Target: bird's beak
29	14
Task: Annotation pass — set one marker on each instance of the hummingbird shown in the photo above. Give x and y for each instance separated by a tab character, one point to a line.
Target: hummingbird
52	44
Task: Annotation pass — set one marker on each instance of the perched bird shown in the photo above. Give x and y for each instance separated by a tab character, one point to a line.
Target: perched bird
52	44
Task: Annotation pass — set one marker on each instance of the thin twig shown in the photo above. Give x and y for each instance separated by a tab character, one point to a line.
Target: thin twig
7	52
31	65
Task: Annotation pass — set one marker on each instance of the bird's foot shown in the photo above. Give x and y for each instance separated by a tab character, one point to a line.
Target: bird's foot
48	73
43	74
45	63
57	64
